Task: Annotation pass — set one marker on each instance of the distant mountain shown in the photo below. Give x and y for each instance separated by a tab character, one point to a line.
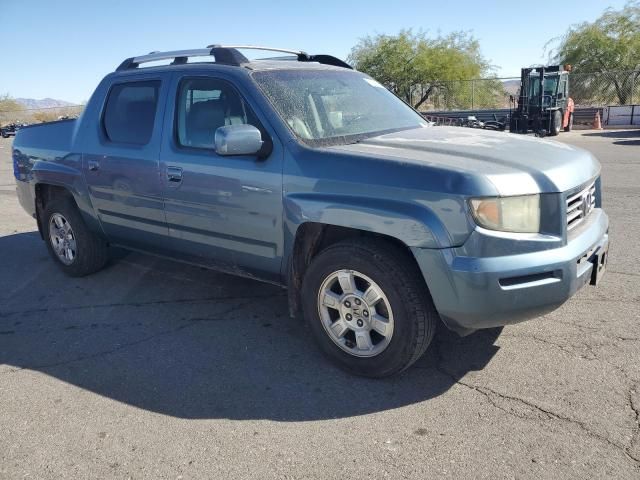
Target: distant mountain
511	86
31	103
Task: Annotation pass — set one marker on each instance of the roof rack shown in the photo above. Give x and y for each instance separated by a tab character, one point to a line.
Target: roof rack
225	54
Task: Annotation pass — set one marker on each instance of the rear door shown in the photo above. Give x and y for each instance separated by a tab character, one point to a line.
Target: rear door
121	164
225	211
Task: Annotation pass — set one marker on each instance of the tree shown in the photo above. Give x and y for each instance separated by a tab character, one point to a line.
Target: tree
9	109
416	67
610	43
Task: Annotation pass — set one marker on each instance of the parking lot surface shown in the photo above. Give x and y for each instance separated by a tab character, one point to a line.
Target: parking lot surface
153	369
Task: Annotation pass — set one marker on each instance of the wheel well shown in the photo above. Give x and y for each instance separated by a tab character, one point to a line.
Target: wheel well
311	239
45	194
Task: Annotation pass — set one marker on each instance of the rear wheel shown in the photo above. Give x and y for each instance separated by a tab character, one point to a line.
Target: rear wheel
74	248
556	123
569	126
368	307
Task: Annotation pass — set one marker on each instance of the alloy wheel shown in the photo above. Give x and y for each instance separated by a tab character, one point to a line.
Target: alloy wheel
355	313
63	240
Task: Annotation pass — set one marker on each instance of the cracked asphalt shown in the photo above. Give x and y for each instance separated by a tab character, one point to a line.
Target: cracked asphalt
152	369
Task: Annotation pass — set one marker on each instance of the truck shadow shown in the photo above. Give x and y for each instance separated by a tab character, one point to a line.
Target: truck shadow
190	343
622	137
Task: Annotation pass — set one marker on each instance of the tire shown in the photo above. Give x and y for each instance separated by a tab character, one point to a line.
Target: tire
89	252
556	123
569	126
405	306
513	125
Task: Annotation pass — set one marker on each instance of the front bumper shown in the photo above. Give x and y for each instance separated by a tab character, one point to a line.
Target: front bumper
471	293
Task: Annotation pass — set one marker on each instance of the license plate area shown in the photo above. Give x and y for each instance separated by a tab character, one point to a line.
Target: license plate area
599	262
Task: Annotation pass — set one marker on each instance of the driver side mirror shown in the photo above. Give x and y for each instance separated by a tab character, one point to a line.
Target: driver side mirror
560	95
238	140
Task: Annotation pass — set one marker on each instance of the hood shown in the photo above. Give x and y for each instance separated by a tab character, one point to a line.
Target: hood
515	164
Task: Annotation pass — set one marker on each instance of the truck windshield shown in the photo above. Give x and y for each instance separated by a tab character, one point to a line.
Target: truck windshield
549	91
325	107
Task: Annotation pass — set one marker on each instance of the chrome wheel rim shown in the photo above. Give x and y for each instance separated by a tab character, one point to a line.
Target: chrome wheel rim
355	313
63	240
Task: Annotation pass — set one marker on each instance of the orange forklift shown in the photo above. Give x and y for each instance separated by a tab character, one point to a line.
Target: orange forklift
544	105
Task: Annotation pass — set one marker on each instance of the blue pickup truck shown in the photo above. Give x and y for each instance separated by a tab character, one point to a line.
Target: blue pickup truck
300	171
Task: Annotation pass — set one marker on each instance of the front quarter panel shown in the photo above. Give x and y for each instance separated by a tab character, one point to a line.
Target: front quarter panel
408	223
411	203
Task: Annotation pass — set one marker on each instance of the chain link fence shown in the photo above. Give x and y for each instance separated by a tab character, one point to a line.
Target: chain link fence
586	89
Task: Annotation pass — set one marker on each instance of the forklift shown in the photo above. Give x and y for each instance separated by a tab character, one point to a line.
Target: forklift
544	105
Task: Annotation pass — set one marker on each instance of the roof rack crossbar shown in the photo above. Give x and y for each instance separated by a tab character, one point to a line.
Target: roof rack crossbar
134	62
258	47
325	60
225	54
302	56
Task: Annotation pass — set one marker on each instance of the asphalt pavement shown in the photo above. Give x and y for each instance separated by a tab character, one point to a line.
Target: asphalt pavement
154	369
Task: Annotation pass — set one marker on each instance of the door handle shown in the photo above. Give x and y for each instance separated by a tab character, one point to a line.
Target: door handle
174	174
251	188
93	165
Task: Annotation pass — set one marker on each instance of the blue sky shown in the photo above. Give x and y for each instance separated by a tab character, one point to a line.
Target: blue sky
62	48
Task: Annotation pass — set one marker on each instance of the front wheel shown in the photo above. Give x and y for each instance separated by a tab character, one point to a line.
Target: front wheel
74	248
556	123
368	307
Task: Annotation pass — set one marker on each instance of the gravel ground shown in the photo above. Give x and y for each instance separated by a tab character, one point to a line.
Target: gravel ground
151	369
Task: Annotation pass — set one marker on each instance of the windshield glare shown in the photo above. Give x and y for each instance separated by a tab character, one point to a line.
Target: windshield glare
331	107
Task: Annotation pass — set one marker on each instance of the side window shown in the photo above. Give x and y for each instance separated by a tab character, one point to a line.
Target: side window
130	112
204	104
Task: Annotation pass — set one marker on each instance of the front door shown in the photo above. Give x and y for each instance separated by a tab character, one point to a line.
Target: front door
121	163
221	210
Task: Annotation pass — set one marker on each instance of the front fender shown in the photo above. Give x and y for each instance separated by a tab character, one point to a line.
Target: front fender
414	225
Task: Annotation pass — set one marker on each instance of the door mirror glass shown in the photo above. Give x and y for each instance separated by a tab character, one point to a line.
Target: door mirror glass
238	140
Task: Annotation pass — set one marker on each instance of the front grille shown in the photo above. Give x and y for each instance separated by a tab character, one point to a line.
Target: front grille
580	205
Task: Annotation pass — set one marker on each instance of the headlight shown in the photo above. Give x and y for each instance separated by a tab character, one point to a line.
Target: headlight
508	214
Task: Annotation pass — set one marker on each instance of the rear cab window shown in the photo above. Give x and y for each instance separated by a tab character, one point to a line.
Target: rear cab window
130	112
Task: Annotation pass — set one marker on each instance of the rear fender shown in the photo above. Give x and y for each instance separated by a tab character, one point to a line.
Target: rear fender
68	175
